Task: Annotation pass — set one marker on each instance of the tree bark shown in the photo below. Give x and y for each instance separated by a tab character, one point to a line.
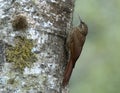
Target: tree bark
32	45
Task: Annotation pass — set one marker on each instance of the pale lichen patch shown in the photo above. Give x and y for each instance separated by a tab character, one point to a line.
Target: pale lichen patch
35	69
33	34
47	24
51	81
53	1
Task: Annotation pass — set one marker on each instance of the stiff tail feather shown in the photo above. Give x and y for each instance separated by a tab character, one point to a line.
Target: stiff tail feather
68	72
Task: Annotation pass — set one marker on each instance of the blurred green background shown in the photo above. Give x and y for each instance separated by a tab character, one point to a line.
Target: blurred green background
98	68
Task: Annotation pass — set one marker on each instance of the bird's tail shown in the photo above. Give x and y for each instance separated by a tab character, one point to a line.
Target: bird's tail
67	73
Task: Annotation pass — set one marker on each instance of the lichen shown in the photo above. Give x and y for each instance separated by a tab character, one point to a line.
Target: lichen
20	54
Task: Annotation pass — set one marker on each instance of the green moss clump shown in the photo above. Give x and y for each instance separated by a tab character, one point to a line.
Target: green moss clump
21	54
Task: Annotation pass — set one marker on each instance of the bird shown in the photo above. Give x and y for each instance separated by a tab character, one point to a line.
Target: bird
75	41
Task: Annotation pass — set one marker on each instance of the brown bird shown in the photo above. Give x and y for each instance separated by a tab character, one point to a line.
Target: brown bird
75	42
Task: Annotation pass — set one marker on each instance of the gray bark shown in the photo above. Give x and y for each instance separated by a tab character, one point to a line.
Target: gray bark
44	28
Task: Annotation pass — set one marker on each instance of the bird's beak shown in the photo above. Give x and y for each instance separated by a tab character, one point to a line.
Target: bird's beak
81	22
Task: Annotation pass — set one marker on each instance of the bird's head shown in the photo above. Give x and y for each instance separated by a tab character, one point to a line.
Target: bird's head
83	27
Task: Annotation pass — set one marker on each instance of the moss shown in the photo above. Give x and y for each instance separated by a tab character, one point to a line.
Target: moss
20	55
20	23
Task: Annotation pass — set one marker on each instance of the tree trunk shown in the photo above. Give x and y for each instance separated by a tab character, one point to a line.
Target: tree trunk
32	45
